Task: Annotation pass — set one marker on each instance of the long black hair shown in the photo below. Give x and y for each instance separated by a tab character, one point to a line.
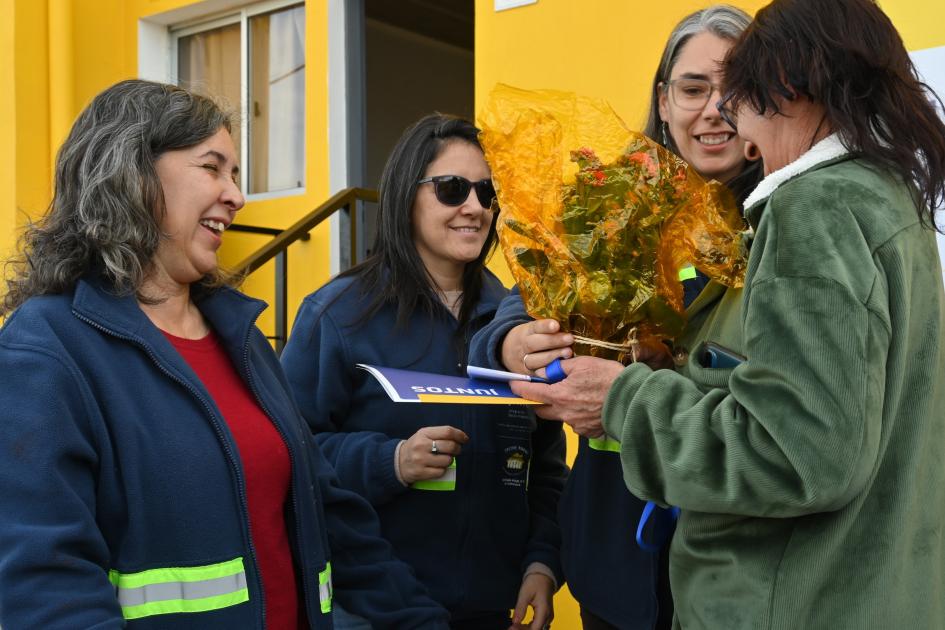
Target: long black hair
847	56
395	273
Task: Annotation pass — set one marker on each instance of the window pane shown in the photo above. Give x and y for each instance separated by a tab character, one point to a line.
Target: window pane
209	63
277	89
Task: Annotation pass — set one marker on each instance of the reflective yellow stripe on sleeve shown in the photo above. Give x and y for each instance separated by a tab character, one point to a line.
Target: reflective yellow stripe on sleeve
180	589
325	592
604	444
687	273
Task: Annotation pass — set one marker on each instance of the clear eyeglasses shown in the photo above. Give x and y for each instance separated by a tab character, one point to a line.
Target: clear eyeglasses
690	94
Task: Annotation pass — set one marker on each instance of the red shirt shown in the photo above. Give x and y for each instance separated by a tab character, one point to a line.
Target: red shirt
266	469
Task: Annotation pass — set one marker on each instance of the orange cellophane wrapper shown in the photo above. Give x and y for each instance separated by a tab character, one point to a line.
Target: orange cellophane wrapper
597	222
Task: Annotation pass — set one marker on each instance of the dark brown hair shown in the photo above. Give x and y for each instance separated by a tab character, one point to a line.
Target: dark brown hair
395	273
847	56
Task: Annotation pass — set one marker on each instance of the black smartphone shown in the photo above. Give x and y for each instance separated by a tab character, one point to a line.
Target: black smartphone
715	356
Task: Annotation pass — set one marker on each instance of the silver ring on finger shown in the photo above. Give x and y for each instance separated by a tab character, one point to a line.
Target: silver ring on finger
433	448
524	358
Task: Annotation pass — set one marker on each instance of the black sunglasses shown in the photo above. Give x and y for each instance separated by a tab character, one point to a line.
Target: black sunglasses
452	190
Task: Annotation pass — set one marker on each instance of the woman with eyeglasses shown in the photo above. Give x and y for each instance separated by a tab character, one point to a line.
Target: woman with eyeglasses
809	469
467	494
617	583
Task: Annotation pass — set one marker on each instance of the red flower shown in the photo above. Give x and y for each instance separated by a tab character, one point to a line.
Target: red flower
646	161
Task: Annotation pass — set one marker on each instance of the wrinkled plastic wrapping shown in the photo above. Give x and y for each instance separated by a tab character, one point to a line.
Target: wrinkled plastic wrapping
596	221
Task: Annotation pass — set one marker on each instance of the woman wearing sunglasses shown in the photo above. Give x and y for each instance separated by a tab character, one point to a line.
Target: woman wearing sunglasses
467	494
598	515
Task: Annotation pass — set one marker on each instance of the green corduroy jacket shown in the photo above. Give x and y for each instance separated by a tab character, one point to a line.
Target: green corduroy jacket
811	476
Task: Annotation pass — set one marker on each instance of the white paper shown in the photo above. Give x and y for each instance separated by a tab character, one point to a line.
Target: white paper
502	5
474	371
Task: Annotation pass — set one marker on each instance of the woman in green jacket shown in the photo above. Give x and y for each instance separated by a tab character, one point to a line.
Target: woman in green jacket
804	443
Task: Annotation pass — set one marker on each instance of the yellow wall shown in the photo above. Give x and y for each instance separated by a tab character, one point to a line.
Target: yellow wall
610	49
30	142
7	127
56	55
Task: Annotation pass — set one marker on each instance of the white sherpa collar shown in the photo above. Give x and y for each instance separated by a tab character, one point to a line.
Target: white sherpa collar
830	148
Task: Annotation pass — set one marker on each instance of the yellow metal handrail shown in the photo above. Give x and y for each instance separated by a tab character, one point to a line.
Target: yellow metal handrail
276	248
343	199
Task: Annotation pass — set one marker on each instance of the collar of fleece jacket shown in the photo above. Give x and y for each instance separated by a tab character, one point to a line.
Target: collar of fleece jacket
827	150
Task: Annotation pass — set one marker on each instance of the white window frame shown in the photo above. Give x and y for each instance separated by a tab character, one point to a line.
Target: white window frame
157	57
337	126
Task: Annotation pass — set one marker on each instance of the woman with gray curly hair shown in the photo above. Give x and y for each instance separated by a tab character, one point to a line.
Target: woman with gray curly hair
154	469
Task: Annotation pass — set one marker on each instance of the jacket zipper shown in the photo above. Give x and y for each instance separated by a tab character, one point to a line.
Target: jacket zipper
300	538
471	475
221	436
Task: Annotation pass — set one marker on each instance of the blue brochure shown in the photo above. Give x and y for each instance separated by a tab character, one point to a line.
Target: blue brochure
423	387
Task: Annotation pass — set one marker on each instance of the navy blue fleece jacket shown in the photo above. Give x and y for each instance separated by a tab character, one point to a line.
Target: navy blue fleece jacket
124	503
469	546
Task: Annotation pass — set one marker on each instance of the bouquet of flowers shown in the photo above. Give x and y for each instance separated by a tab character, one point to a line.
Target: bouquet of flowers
597	222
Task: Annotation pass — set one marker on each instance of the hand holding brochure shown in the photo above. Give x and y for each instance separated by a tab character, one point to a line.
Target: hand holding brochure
424	387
